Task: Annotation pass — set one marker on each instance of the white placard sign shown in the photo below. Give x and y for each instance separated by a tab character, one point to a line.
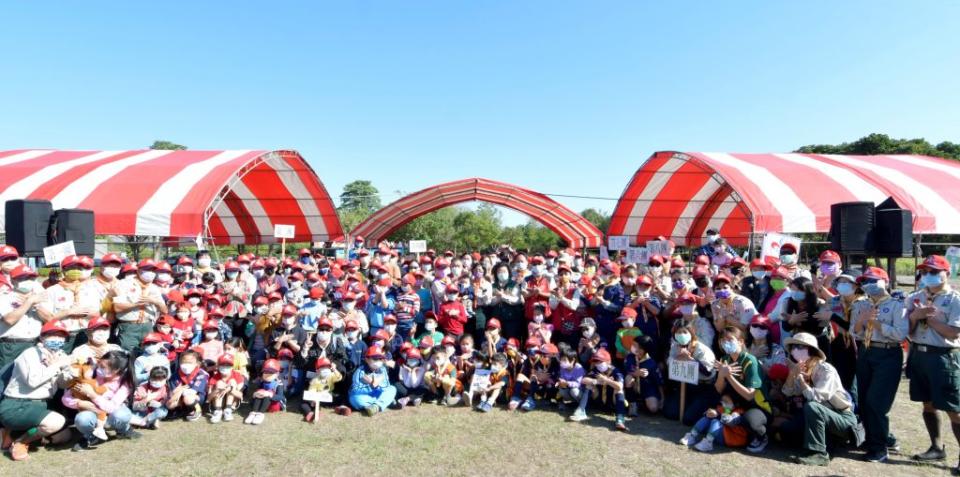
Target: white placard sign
638	255
618	242
54	254
317	396
418	246
659	247
281	231
684	371
953	252
480	381
772	243
604	254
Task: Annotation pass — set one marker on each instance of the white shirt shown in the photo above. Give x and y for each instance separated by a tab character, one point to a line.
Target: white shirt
60	299
26	327
129	292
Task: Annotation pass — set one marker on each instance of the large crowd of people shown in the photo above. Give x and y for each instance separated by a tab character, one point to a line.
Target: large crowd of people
808	359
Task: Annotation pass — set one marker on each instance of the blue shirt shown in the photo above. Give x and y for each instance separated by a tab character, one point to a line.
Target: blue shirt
362	387
375	312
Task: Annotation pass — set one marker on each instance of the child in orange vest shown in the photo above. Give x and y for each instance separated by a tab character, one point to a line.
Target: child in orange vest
720	426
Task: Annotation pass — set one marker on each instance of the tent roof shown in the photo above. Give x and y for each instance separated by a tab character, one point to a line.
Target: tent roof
681	195
233	196
570	226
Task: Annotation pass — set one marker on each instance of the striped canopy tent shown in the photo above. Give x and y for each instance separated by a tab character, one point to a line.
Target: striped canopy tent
231	196
681	195
569	225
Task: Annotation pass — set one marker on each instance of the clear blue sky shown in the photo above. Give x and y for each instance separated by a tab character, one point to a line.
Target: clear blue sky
562	97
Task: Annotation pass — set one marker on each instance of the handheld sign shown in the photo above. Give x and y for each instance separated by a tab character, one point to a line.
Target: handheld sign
604	254
418	246
685	372
54	254
317	396
481	379
637	255
281	231
618	242
659	247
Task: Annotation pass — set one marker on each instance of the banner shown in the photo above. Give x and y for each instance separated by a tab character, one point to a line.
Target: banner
281	231
772	243
418	246
659	247
618	242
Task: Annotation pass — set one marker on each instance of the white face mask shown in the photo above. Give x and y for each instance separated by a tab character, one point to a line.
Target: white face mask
100	336
588	332
451	297
758	274
258	272
163	278
324	336
188	269
211	335
800	354
27	287
788	259
148	277
232	275
758	333
602	367
325	373
244	267
538	318
151	348
194	300
352	334
204	262
188	368
87	273
262	309
295	285
8	266
430	326
158	384
503	276
225	371
348	305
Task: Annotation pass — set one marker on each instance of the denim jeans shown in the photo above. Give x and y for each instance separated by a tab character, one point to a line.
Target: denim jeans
119	420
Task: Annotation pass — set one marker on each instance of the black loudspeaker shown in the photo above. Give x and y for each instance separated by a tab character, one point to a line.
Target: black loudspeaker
25	224
894	233
76	225
852	227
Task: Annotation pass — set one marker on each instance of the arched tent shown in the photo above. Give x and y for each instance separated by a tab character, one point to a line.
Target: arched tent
577	231
681	195
233	196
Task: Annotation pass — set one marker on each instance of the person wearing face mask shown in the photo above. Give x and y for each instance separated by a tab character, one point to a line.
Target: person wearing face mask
564	303
452	315
111	375
107	281
370	390
234	291
98	332
37	374
9	259
830	268
20	320
537	288
934	313
225	390
730	308
75	300
789	260
879	331
763	342
154	355
687	309
590	340
800	312
827	408
608	300
842	310
739	375
685	346
188	386
348	311
138	305
324	389
756	287
289	335
407	307
713	245
603	385
381	303
149	398
205	265
505	302
271	281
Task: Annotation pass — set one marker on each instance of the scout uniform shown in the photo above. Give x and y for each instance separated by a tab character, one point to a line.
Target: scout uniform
879	362
16	338
934	362
134	324
66	295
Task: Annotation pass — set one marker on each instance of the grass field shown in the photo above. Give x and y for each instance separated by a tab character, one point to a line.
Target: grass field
439	441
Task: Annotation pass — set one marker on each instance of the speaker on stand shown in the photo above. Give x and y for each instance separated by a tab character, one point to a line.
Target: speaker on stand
25	225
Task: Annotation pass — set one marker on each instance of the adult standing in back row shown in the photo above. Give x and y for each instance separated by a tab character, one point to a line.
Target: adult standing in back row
934	363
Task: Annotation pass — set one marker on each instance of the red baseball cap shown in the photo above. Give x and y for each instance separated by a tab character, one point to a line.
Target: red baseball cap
23	271
873	273
322	362
289	310
601	356
97	323
935	262
153	338
55	326
829	256
111	258
8	251
374	352
627	312
225	359
493	323
351	325
271	366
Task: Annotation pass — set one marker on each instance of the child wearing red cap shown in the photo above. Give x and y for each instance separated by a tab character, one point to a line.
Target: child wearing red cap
466	362
225	390
492	341
627	332
371	391
322	386
536	377
499	383
411	385
149	399
211	346
538	326
189	385
452	315
269	393
430	328
604	386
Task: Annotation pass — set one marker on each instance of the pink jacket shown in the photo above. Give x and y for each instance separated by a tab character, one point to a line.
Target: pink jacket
114	398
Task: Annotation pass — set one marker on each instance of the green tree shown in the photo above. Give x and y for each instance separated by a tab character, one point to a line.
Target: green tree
435	227
167	146
598	218
531	237
883	144
477	229
358	200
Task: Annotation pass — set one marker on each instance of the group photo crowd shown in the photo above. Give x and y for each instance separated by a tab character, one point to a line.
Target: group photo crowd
806	356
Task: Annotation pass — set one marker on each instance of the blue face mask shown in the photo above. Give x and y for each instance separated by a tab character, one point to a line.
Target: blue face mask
682	339
730	347
798	295
873	289
54	344
931	281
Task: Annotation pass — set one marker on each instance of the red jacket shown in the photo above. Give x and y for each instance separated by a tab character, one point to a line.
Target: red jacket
452	317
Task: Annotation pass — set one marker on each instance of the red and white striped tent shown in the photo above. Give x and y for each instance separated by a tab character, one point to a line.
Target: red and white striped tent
233	196
681	195
577	231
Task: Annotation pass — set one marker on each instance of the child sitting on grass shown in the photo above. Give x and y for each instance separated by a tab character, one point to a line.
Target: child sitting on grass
268	395
149	398
225	390
643	379
720	426
326	378
189	386
605	386
499	381
441	379
571	373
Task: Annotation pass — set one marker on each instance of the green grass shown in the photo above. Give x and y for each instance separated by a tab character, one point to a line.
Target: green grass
438	441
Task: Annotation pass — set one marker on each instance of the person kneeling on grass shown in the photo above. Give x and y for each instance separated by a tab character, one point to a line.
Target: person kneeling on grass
536	375
225	390
499	380
371	391
268	394
149	399
643	379
604	387
720	426
411	386
324	381
569	389
441	378
189	386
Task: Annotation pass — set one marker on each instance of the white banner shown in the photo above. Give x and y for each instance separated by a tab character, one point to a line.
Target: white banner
604	254
772	243
54	254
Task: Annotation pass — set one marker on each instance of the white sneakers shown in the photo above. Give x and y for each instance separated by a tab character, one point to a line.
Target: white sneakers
228	414
688	438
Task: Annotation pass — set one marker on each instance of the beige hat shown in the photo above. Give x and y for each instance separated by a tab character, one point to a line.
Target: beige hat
805	339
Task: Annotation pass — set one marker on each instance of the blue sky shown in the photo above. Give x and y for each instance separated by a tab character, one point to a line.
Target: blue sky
561	97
